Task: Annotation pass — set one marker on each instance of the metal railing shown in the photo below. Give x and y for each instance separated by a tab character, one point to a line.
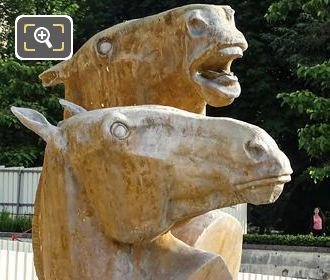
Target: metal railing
18	187
252	276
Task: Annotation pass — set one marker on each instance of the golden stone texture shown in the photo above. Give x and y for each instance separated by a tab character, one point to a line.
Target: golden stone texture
179	58
116	181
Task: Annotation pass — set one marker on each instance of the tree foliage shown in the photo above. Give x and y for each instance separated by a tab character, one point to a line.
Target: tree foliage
282	10
20	85
304	43
10	9
18	145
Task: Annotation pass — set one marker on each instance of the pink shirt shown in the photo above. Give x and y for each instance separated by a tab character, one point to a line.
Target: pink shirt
317	222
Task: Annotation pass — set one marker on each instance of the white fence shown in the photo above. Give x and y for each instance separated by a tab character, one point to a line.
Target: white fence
18	188
16	263
251	276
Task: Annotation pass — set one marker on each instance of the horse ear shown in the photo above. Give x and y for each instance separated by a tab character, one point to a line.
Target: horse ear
74	109
35	121
54	75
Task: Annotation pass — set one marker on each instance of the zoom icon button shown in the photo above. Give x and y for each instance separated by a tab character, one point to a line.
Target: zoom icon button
43	37
39	35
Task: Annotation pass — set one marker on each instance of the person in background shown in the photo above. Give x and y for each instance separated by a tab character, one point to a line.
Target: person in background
317	222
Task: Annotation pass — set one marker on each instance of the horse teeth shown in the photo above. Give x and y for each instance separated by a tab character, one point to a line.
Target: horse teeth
211	74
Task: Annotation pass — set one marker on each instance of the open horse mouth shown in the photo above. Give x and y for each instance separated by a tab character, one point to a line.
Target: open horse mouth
214	72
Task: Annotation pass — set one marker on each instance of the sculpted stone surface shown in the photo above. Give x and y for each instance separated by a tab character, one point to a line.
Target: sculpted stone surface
215	232
122	177
179	58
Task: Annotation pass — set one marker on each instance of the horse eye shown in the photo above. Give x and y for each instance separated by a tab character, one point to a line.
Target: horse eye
119	130
197	26
104	46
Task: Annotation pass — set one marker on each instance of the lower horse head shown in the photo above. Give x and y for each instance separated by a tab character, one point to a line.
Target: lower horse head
143	168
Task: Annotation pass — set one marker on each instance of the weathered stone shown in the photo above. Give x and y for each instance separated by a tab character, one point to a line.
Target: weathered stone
178	58
215	232
115	180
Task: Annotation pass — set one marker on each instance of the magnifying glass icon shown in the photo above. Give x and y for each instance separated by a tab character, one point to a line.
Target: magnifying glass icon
41	35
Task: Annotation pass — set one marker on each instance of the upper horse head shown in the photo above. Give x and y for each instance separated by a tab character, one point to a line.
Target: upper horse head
143	168
179	58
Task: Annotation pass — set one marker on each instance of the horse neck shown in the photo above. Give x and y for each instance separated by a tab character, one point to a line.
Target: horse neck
72	243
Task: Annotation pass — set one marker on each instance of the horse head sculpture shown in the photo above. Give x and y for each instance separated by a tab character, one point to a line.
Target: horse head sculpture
179	58
125	175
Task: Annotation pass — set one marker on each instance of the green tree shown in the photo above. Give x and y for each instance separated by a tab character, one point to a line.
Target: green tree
10	9
302	38
300	42
20	86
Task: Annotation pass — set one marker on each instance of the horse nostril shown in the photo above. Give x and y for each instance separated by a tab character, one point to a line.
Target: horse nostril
255	150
